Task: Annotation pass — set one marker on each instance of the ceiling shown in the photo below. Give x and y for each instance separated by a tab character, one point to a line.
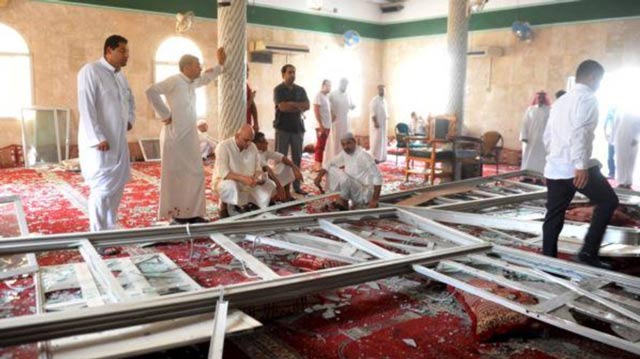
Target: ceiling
369	10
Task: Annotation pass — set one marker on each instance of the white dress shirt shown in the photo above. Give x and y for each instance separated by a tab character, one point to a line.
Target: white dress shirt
568	137
322	101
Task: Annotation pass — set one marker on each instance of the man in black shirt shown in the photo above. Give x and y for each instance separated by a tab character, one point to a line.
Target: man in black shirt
291	101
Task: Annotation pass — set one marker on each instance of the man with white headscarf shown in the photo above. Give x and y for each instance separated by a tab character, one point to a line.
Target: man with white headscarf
353	172
532	133
182	179
207	144
107	111
341	104
378	126
625	139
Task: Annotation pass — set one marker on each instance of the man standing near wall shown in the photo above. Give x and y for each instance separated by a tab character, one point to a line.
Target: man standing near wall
322	111
182	184
107	111
568	139
340	105
378	126
291	101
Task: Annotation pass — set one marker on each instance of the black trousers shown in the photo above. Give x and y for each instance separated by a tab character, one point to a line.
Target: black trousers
559	196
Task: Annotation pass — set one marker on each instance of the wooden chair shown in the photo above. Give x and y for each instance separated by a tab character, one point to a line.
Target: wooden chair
436	148
492	144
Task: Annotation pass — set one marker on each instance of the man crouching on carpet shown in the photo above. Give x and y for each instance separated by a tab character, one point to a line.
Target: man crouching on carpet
353	172
238	178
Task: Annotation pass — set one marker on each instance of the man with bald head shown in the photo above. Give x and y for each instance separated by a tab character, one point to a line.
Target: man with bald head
182	184
353	172
238	178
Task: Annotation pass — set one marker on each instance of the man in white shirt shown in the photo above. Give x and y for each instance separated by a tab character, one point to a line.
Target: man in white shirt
417	126
238	178
182	184
354	174
378	126
568	139
341	104
282	171
322	111
107	111
207	144
533	125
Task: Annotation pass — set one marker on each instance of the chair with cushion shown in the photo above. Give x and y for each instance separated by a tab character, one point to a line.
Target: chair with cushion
435	149
402	131
492	144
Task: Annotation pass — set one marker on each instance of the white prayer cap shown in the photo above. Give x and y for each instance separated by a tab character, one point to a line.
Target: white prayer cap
348	136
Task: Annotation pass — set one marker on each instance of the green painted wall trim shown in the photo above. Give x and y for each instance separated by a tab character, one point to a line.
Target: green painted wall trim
258	15
583	10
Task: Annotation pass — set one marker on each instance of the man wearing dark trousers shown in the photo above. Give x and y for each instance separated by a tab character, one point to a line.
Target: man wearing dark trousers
291	101
568	139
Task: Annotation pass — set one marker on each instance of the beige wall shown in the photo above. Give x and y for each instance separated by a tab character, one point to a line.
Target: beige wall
65	37
498	93
62	38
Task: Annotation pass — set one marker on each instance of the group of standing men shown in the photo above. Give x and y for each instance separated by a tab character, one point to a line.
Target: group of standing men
331	109
107	111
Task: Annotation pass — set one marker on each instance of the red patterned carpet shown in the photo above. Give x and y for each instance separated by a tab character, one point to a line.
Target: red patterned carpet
407	317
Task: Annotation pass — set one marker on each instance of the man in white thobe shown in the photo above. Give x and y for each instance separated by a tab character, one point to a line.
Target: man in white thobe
107	111
625	140
281	170
341	104
238	178
182	182
354	174
207	144
378	126
532	133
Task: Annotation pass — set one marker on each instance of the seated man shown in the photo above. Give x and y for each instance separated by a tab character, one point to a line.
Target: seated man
238	178
359	181
207	144
282	172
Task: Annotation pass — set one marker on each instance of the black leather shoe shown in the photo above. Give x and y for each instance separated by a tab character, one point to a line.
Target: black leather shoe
593	261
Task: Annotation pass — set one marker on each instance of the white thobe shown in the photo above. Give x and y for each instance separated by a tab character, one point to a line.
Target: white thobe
357	180
625	138
417	126
378	136
568	137
229	159
531	134
283	173
207	145
105	105
182	182
340	105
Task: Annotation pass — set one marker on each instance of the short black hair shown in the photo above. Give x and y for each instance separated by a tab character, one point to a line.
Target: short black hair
560	93
589	67
112	42
259	137
325	81
285	67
